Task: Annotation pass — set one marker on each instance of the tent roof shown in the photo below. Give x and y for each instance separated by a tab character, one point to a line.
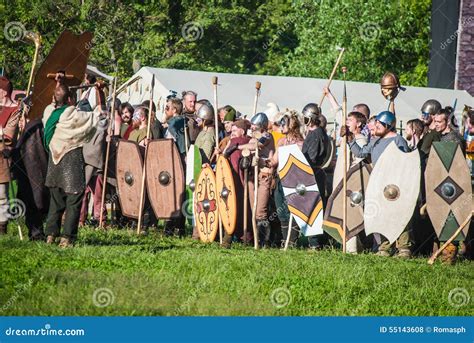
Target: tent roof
238	90
90	69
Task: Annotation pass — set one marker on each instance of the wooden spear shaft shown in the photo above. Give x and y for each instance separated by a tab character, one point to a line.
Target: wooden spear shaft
258	85
246	199
107	154
344	154
332	74
148	128
216	128
36	38
455	234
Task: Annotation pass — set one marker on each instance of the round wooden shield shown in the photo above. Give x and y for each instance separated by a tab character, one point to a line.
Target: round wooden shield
391	195
164	178
205	205
357	180
448	190
227	199
70	54
129	177
300	189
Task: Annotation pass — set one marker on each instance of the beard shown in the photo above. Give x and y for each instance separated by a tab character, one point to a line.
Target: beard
126	119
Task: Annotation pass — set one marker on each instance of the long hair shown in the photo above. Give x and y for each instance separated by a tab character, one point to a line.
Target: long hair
292	120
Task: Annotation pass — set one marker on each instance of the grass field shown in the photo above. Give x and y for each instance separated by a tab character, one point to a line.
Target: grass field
117	273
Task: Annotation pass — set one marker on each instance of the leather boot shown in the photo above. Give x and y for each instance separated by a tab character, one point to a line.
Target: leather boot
284	233
263	227
226	241
449	255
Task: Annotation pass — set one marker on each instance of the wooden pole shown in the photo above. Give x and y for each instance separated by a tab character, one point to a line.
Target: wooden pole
246	199
332	74
290	225
440	250
258	85
142	190
344	175
391	106
216	127
107	155
19	232
36	39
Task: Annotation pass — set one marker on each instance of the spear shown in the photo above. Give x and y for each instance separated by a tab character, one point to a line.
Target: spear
332	73
148	127
258	85
455	234
216	125
107	154
344	154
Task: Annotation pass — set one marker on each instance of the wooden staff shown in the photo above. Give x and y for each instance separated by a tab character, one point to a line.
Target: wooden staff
440	250
290	225
258	85
107	154
148	127
246	153
332	74
344	154
36	39
391	106
216	126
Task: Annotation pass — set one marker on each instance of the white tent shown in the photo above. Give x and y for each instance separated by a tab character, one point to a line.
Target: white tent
238	90
90	69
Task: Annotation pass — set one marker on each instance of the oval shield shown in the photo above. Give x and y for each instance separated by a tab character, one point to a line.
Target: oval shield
129	177
300	189
227	199
393	189
164	178
357	180
70	54
205	205
448	190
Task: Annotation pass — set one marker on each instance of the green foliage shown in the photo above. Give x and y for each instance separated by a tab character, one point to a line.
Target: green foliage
263	37
154	275
378	36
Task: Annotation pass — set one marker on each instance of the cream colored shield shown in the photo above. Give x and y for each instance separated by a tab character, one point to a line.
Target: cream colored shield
392	192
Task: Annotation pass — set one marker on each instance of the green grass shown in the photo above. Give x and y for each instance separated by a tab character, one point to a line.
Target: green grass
154	275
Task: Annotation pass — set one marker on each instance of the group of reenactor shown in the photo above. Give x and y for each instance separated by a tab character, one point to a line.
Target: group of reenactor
58	161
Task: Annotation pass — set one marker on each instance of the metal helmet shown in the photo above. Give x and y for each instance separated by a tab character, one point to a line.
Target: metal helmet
390	84
206	112
387	118
431	106
389	80
260	120
311	110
